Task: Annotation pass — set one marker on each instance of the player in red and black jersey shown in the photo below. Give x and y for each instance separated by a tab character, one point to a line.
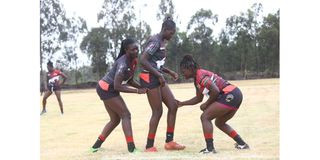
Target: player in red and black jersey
152	60
108	89
53	84
223	102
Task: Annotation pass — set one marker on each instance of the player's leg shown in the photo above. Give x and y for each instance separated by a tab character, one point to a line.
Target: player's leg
154	98
108	128
58	95
212	112
44	101
221	123
169	101
118	105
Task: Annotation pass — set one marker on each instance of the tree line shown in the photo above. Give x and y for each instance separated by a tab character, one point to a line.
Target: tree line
247	47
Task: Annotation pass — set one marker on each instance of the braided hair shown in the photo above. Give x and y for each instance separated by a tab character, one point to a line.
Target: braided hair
124	45
188	62
168	23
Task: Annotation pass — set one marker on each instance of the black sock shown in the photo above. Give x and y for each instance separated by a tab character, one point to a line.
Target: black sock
209	143
131	146
149	143
169	137
239	140
98	143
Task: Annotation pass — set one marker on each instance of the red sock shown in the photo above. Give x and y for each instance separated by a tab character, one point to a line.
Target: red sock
102	138
129	139
151	135
208	135
233	134
170	129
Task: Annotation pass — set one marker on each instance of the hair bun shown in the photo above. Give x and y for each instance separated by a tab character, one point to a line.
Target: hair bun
168	18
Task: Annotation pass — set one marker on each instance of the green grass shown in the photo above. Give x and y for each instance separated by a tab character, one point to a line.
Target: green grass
70	136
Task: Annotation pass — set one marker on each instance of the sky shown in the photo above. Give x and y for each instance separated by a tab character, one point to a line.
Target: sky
88	9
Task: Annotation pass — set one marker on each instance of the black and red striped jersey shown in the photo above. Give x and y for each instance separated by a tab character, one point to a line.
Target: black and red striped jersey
53	77
204	78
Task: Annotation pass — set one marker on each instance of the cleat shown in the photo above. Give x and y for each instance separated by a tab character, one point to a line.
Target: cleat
151	149
173	146
43	112
206	151
238	146
93	150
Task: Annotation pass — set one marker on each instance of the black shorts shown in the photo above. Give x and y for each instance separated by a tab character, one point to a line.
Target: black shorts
231	97
148	80
106	91
53	88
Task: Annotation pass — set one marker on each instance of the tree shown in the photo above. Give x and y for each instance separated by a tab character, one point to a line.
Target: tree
117	17
76	27
96	44
268	40
201	36
52	23
166	8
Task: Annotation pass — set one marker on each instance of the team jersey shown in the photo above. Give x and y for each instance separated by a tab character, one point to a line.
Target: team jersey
205	78
121	66
53	77
155	47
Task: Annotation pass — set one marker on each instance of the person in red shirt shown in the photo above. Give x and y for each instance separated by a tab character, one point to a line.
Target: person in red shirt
109	87
53	84
223	102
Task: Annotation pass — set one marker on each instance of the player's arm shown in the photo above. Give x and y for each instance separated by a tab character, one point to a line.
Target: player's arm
119	76
46	79
193	101
150	50
173	74
213	91
134	83
64	78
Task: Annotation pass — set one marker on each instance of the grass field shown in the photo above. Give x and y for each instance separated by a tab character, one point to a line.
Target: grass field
70	136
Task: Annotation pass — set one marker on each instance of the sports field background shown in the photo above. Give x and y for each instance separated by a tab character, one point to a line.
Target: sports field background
70	136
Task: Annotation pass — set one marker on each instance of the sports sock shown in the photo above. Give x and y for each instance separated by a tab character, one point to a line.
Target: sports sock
169	134
130	143
150	140
99	142
209	141
236	137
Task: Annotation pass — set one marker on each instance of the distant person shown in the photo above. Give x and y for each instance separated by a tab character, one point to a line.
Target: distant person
53	84
223	102
108	89
152	60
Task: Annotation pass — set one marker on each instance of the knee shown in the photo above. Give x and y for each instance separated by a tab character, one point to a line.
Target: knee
173	109
219	124
126	115
204	117
115	121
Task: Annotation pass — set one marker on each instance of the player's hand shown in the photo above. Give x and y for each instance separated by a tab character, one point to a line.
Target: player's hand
178	103
174	75
142	90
